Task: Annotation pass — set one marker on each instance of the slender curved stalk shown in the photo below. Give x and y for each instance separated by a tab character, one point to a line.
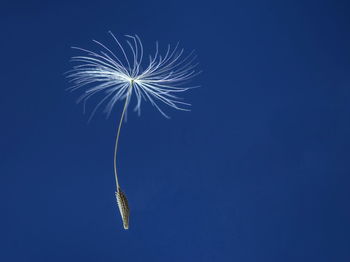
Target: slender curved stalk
118	133
120	195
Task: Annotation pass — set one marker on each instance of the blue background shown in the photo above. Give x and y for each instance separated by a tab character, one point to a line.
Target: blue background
258	171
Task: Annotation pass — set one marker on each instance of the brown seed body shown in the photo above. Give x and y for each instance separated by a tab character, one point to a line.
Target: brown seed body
123	207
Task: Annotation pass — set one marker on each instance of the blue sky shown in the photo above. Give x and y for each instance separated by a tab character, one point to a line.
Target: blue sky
257	171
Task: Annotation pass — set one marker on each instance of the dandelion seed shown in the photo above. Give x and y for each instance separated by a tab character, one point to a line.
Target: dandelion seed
118	74
123	207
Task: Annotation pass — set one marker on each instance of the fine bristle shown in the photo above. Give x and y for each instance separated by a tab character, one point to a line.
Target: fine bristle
123	207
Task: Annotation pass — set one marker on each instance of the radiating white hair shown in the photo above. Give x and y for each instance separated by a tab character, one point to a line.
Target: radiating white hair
117	74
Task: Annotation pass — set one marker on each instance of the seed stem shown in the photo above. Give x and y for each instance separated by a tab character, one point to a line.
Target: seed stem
118	133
